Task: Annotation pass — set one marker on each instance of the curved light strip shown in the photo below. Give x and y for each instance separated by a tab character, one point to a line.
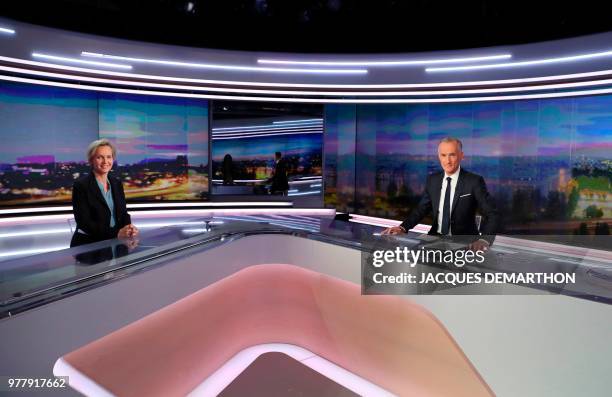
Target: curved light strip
284	85
385	63
266	127
234	133
76	60
224	67
298	121
7	30
308	93
311	100
522	63
214	138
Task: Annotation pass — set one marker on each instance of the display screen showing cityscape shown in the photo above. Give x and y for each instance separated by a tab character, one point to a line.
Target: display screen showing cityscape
547	163
162	143
253	153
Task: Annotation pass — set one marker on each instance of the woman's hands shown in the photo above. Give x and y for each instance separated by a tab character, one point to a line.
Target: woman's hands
128	231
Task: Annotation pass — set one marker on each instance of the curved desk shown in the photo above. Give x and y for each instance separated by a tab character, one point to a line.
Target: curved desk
394	343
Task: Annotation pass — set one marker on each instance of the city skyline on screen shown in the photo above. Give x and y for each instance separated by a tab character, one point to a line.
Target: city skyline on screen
162	143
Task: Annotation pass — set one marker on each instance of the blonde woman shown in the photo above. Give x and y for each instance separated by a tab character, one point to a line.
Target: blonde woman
98	200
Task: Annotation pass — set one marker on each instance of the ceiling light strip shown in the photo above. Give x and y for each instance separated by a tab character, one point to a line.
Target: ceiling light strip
287	85
266	132
298	121
80	61
262	135
264	126
522	63
308	93
224	67
312	100
7	30
407	62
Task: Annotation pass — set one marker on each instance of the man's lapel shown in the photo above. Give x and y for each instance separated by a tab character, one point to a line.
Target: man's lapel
437	188
457	190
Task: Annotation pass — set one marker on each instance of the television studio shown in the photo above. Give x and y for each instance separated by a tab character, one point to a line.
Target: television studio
372	206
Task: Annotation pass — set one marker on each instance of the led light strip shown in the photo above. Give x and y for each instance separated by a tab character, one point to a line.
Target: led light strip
262	135
298	121
312	100
267	133
522	63
155	205
76	60
304	193
33	251
385	63
223	67
317	93
287	85
7	30
255	129
266	126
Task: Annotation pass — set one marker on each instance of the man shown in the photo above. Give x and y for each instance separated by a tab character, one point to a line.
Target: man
279	178
453	196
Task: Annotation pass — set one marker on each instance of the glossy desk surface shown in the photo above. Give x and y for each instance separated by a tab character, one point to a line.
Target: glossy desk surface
35	280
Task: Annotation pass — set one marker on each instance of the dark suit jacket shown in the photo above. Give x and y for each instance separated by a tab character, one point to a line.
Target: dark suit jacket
470	195
279	179
91	213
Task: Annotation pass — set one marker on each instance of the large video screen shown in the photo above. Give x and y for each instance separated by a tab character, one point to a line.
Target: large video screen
246	137
547	163
45	131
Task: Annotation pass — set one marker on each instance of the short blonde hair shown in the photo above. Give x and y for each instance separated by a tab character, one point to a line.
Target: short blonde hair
93	147
450	139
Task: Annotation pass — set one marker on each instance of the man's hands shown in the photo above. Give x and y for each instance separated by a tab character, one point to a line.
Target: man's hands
479	245
128	231
393	230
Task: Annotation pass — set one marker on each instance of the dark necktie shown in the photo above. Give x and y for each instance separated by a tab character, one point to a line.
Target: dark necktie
446	209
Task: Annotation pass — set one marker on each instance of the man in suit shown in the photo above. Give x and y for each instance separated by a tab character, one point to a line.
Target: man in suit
452	197
98	200
280	182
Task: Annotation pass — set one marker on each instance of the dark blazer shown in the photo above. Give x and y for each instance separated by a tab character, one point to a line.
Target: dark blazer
91	213
280	182
470	195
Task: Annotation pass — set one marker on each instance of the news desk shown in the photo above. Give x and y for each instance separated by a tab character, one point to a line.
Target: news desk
527	341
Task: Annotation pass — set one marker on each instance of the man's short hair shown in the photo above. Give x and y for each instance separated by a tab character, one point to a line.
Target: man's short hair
278	154
450	139
91	149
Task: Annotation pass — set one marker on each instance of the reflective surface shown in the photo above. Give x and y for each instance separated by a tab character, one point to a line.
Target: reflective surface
35	280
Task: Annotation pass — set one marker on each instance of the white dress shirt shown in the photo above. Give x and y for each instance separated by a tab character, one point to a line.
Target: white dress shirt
454	178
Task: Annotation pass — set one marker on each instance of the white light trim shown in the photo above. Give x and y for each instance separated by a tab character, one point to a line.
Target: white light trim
262	84
298	121
7	30
386	63
305	193
266	133
521	63
76	60
34	210
262	135
32	251
315	93
155	205
241	180
255	127
271	129
34	233
311	100
216	204
222	66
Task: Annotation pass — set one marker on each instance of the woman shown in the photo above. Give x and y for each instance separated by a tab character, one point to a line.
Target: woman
98	200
